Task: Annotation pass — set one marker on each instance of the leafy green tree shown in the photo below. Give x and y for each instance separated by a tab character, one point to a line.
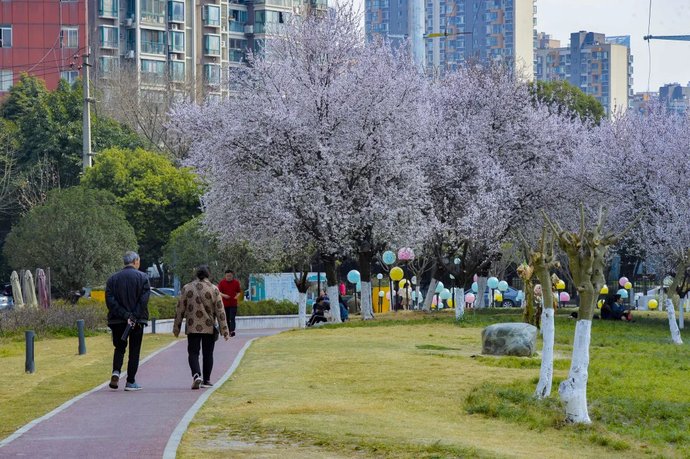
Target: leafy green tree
566	98
191	245
79	233
155	196
50	127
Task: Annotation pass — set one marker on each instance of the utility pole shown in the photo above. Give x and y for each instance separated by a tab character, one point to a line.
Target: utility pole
86	128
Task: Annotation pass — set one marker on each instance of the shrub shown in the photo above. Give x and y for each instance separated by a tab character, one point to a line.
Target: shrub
266	308
60	319
162	307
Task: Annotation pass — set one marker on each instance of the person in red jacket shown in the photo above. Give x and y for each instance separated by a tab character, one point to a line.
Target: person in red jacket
230	291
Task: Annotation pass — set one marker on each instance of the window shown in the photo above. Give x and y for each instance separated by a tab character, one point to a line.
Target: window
152	41
176	42
176	12
5	36
211	45
238	19
212	15
109	37
152	71
70	76
108	64
69	37
153	11
108	8
212	74
5	80
177	71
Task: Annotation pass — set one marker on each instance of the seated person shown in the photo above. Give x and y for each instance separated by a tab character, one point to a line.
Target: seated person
319	312
613	309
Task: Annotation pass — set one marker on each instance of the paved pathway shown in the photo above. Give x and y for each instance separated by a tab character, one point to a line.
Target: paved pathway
107	423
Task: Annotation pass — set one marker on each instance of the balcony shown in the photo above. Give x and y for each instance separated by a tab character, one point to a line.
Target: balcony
108	9
153	47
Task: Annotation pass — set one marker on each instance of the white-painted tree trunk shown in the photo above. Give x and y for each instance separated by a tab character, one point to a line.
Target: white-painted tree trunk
548	330
675	332
479	300
459	303
302	309
332	292
430	295
367	307
573	391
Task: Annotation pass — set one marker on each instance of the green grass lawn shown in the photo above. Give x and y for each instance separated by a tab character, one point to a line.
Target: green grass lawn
61	373
416	385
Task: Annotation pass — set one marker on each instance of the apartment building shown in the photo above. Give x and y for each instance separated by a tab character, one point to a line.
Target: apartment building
470	30
600	66
43	38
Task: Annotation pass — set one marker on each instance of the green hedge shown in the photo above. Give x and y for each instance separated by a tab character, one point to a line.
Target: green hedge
266	308
58	320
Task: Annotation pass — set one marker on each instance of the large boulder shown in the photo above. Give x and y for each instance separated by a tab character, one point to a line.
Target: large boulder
509	339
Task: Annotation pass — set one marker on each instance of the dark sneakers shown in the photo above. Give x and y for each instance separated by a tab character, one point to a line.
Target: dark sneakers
114	380
232	333
197	382
206	384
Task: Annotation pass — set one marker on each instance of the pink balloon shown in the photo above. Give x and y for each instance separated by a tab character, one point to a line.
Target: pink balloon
622	281
469	298
565	296
433	300
475	278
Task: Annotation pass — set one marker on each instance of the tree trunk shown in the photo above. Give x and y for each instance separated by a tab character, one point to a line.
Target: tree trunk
675	332
548	331
332	288
459	303
302	309
573	391
367	307
479	300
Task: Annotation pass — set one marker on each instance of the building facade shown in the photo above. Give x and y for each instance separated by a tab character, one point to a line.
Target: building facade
676	97
42	38
600	66
462	30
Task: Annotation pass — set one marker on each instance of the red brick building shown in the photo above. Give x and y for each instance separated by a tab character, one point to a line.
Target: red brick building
45	38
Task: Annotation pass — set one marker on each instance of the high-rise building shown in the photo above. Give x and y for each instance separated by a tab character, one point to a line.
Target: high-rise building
462	30
45	38
675	97
600	66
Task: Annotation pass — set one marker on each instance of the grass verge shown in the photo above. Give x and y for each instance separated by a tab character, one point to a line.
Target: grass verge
60	374
414	386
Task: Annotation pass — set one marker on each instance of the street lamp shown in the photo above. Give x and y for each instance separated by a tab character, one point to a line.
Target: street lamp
456	262
379	276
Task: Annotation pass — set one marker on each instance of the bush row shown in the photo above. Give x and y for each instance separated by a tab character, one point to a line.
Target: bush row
164	307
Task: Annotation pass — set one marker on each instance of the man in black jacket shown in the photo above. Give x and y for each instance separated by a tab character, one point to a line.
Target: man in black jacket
127	297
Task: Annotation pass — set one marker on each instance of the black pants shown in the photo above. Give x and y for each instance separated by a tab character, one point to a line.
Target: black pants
135	336
205	341
230	314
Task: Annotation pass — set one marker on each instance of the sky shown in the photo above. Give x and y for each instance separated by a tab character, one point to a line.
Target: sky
670	59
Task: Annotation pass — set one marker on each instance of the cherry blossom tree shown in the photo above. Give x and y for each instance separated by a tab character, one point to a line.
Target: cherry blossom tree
310	147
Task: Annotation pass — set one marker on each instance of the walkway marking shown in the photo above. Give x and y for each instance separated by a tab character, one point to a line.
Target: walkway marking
24	429
170	451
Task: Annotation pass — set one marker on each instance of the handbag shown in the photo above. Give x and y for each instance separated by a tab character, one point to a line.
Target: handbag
216	333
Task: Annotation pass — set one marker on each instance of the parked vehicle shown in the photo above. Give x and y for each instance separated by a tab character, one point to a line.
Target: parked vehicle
166	291
6	302
509	298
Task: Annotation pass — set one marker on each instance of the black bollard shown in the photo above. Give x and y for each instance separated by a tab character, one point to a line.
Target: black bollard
30	365
82	341
153	326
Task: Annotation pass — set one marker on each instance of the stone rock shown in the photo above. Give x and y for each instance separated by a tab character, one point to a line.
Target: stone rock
517	339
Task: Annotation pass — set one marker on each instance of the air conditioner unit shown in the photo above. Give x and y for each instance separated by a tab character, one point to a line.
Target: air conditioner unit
223	44
129	22
130	54
249	29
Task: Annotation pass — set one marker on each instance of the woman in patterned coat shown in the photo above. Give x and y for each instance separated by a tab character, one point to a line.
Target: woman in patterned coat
200	303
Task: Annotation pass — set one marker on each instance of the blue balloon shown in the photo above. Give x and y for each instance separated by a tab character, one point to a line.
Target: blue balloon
439	287
520	295
492	282
503	286
623	293
388	257
353	276
475	287
358	287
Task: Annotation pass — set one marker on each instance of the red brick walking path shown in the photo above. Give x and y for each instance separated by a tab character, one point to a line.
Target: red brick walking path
118	424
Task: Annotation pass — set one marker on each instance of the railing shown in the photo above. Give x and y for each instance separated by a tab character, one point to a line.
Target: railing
153	47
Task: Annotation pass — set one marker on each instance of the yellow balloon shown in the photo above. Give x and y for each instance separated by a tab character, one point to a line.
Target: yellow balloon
396	274
402	283
652	304
604	290
628	285
449	302
560	285
498	296
600	303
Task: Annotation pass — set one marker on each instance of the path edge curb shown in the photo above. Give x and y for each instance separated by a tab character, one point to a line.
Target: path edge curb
173	443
